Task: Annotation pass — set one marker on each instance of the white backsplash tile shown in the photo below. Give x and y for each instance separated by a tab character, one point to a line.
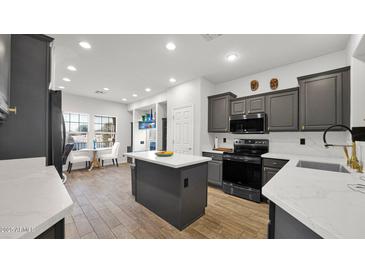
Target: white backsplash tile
289	142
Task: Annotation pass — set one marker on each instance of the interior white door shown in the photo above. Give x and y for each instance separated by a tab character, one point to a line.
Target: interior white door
183	130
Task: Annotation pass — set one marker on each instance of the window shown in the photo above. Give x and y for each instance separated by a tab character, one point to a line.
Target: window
77	128
105	128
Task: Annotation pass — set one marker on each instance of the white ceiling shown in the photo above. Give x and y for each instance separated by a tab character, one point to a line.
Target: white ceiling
128	64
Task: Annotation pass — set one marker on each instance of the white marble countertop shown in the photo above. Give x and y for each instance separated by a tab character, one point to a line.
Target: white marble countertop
175	161
319	199
32	198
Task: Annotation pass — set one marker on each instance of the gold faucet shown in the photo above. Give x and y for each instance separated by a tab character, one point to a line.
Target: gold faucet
352	161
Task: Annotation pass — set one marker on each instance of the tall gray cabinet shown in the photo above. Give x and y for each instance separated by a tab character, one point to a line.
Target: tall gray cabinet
282	110
25	134
324	99
219	109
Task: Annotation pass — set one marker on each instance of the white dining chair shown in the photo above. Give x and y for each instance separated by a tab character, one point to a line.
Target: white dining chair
111	156
78	157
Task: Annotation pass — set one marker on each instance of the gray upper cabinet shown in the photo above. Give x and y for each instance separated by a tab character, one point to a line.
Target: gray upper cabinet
282	110
219	109
238	107
255	104
324	100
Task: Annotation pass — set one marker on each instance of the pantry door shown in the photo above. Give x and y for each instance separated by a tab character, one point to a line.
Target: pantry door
183	141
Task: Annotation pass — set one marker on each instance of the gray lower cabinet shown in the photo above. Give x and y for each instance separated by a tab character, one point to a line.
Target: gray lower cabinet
284	226
215	168
238	107
219	110
215	172
270	167
324	100
268	173
255	104
282	110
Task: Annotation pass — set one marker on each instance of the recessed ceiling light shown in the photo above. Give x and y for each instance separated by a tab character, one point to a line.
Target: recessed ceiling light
61	87
170	46
106	89
134	95
172	80
66	79
85	45
147	89
231	57
124	99
72	68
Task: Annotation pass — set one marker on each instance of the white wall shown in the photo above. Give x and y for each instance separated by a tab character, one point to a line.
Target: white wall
207	88
158	98
91	106
161	113
186	94
287	75
357	79
355	56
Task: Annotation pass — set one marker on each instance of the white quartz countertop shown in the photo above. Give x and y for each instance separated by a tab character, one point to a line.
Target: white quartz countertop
175	161
319	199
32	198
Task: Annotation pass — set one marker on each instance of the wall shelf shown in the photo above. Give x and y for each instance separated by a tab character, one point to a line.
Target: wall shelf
147	124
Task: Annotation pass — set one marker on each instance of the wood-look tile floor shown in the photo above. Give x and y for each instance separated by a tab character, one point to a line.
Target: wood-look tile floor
105	208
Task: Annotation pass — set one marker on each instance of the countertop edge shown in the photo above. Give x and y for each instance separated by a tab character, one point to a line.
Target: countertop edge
47	224
157	162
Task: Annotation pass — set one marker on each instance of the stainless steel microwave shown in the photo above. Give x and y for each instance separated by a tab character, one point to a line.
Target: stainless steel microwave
248	124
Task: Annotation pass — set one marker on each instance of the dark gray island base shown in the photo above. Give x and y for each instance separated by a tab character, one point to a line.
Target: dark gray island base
284	226
177	195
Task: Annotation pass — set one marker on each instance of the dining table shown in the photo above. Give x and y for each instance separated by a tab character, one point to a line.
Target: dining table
95	163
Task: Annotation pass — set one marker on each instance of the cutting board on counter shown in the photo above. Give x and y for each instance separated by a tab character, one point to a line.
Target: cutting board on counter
223	149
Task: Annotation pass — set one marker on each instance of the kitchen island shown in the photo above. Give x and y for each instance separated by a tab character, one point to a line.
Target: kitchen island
175	188
33	200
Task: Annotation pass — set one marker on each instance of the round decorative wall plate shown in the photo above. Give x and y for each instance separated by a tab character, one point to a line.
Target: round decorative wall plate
254	85
274	83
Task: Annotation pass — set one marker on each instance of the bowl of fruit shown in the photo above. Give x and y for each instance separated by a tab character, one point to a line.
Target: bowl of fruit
164	153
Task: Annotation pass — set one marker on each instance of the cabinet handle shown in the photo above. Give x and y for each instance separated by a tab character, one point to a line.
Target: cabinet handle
12	110
303	127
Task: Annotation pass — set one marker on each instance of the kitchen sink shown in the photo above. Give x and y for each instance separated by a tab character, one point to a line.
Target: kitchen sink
322	166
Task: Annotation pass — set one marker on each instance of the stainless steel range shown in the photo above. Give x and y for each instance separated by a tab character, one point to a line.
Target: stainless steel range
242	168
